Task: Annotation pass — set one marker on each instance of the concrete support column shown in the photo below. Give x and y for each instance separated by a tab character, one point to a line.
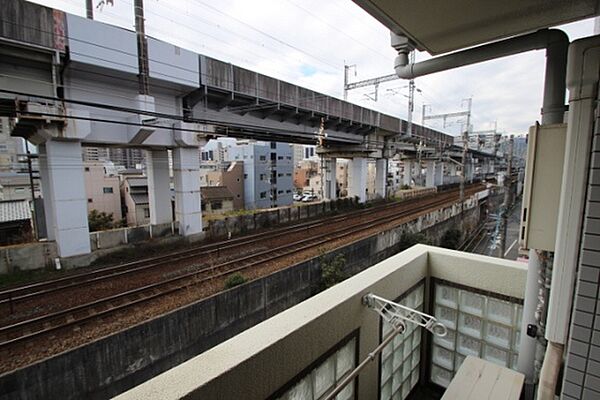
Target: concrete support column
453	169
381	166
430	175
159	191
407	178
469	170
438	174
357	178
186	173
330	179
65	200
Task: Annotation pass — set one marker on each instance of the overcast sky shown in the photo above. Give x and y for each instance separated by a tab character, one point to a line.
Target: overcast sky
307	42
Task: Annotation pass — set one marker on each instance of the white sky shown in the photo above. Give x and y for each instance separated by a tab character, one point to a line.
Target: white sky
307	42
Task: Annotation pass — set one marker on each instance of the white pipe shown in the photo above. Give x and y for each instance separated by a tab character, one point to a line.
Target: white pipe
527	344
549	374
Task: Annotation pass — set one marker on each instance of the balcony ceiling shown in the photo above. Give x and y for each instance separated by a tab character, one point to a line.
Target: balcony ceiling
440	26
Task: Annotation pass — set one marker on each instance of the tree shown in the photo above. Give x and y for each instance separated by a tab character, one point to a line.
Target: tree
100	221
332	270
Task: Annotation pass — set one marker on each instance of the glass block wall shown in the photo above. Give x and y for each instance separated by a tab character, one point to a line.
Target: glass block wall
400	359
322	379
479	325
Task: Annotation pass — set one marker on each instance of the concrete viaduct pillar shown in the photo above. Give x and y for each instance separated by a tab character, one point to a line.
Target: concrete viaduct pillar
407	177
159	191
430	176
330	179
469	170
381	166
357	179
65	200
435	174
186	173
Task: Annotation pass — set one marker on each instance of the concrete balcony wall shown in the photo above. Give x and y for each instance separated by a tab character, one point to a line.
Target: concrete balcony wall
275	357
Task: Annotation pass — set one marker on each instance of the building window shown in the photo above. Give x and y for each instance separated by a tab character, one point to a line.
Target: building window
289	157
289	174
273	145
19	190
87	169
146	213
263	158
263	195
89	200
280	175
216	205
279	191
288	191
245	176
107	190
280	157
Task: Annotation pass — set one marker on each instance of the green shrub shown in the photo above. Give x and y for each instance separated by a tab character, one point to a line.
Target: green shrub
332	270
235	280
410	239
451	239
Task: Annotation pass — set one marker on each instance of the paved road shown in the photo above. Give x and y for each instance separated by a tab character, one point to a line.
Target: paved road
512	242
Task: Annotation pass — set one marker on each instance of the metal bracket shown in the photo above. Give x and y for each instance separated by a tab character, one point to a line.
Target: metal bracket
398	315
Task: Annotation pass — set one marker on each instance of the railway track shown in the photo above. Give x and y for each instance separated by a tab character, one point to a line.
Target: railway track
76	317
10	296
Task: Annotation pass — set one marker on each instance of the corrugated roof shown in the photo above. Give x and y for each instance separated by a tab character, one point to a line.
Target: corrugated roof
137	181
215	193
14	210
139	198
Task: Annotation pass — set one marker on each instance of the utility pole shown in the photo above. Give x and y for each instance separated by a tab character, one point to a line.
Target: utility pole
320	138
411	98
378	80
507	198
347	78
89	9
142	46
32	188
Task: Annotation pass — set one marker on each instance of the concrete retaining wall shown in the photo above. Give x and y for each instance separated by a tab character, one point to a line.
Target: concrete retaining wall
265	219
130	235
116	363
27	257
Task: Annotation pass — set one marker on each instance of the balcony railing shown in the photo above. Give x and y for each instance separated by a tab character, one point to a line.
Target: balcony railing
304	351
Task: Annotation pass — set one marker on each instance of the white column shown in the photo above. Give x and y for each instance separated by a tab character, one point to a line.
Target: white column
407	177
381	165
186	173
438	177
453	169
159	191
357	179
470	170
65	200
430	176
330	180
